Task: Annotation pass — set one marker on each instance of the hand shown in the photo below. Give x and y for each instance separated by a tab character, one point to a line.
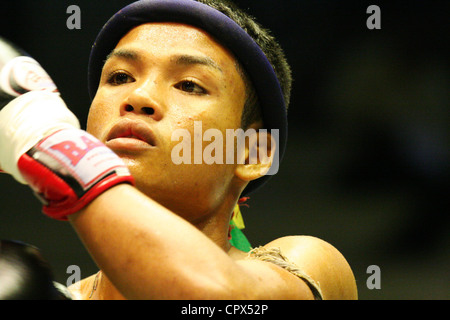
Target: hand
41	143
30	106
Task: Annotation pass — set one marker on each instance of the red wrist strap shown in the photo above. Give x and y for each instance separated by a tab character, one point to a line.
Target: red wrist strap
69	169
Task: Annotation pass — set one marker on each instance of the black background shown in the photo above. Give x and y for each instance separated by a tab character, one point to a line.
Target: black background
367	161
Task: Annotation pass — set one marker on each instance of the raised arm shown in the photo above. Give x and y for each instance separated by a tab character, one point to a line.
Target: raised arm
149	252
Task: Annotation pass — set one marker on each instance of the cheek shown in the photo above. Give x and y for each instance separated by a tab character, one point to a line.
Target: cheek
94	121
98	117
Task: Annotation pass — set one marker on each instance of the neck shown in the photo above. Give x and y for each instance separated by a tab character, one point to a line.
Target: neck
216	228
215	222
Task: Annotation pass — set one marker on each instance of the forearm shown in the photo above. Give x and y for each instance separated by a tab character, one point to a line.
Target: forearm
149	252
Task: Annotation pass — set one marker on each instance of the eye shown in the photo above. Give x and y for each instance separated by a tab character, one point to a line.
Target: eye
119	77
190	87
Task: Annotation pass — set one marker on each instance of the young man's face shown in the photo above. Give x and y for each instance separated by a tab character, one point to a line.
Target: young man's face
162	77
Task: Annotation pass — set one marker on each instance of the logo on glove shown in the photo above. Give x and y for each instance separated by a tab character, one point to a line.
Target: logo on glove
81	154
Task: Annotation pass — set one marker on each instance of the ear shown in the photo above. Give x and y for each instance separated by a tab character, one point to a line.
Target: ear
258	155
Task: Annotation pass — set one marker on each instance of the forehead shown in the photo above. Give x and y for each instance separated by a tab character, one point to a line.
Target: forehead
174	38
167	33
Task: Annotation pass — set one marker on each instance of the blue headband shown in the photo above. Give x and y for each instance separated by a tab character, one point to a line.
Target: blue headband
224	30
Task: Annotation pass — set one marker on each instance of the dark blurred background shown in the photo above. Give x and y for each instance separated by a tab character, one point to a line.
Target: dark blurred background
367	162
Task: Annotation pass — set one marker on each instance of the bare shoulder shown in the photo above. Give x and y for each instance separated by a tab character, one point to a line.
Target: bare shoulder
81	290
320	261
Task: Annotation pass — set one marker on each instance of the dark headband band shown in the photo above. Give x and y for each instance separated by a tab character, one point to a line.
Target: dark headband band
227	32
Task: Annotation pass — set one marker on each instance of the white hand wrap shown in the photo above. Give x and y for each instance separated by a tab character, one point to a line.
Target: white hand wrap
25	121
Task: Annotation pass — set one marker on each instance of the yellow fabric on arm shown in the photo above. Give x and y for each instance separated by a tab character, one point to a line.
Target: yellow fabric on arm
237	217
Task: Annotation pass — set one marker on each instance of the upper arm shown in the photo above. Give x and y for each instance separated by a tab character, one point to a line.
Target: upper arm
320	261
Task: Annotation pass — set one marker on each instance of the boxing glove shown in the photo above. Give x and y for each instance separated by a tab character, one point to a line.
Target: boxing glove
26	275
24	84
41	143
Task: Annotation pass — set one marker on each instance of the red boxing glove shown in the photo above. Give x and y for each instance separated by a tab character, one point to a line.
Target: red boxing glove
70	168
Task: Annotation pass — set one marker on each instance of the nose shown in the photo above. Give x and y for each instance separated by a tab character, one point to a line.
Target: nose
144	100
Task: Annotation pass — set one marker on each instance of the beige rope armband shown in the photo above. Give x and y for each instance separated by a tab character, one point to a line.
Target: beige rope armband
275	256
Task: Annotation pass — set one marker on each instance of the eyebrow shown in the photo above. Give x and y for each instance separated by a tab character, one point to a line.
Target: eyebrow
183	59
200	60
122	53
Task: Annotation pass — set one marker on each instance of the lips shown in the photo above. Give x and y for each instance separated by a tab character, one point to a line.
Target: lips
130	135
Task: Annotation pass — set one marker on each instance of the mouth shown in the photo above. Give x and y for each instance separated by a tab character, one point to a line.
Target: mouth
130	135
